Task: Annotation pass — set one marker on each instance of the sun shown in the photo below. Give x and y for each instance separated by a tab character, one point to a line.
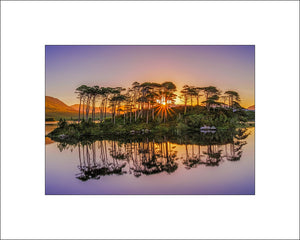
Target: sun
163	103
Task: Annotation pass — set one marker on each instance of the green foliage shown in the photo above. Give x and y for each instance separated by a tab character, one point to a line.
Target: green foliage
62	123
250	115
181	128
219	117
162	129
195	121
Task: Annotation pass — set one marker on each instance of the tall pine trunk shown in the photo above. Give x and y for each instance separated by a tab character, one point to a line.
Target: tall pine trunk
147	116
130	116
79	110
105	105
83	110
152	113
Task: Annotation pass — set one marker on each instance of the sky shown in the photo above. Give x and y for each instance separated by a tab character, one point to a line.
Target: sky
228	67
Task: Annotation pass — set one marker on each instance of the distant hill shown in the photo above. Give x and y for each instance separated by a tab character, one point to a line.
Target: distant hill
251	108
57	109
75	106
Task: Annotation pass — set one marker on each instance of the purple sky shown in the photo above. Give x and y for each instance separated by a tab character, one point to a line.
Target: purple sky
226	67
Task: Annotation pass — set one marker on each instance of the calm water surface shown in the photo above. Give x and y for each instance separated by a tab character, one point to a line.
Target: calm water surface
148	166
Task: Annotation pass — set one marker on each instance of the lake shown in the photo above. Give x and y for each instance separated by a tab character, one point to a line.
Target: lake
202	163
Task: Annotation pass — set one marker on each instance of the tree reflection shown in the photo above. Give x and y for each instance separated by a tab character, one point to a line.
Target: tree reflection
213	155
217	149
235	148
192	160
91	168
148	156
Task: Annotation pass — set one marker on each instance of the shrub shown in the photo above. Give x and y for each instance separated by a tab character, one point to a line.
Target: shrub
62	123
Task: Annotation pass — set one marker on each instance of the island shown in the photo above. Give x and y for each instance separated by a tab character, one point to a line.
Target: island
151	108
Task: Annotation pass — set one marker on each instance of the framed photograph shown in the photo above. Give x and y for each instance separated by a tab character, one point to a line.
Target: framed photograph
150	119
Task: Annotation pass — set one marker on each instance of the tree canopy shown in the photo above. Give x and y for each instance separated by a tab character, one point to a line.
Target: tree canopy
148	101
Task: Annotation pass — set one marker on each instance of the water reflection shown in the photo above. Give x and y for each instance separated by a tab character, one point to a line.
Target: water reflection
235	152
154	155
91	168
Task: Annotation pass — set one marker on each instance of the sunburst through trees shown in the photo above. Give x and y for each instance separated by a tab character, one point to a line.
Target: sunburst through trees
148	101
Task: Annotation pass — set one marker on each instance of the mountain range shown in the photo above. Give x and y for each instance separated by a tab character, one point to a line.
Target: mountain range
55	108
